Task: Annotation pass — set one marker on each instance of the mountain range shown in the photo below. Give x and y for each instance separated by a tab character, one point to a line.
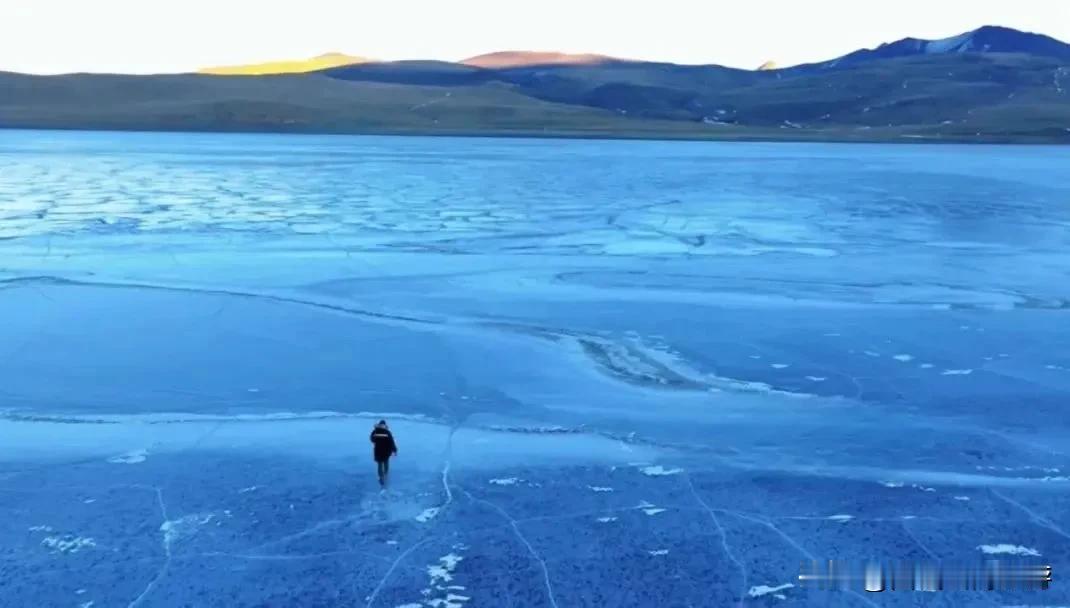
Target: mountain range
991	84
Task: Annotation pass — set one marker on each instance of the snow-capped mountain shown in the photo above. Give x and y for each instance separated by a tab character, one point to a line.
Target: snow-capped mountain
988	39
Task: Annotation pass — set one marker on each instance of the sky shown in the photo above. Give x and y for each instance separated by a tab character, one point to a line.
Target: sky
147	36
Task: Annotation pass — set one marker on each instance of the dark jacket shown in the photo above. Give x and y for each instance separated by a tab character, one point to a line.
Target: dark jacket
384	444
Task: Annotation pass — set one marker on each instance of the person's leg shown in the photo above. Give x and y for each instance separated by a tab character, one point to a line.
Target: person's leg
381	466
386	467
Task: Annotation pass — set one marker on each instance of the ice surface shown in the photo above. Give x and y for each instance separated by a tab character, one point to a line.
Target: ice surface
621	374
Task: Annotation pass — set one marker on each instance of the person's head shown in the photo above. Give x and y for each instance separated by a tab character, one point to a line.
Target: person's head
381	424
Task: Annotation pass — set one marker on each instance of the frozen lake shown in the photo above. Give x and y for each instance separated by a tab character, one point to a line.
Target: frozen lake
619	373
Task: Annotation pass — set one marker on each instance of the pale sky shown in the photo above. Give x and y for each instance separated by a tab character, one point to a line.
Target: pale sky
141	36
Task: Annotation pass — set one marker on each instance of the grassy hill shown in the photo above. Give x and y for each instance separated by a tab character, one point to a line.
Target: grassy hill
293	103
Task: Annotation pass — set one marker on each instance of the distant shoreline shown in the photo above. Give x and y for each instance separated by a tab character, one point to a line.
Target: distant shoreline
753	136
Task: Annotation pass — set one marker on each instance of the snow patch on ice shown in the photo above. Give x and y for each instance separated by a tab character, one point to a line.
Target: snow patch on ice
427	515
600	489
760	590
68	543
904	358
131	457
816	378
606	520
660	471
1007	549
841	518
40	528
507	481
780	365
249	489
956	372
962	498
659	552
751	386
649	508
441	574
175	529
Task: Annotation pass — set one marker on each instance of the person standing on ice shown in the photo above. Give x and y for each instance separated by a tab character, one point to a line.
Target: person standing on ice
383	440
